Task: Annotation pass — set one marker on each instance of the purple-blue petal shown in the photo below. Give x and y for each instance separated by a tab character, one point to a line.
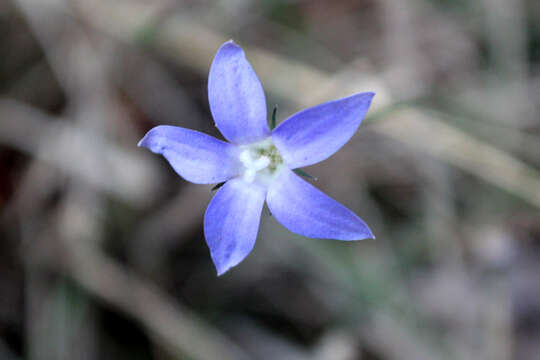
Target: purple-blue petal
231	222
236	96
197	157
307	211
314	134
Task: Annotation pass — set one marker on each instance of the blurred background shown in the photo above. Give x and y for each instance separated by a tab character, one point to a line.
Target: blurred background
102	254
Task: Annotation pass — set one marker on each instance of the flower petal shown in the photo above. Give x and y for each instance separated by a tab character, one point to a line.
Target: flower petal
195	156
231	222
236	96
307	211
314	134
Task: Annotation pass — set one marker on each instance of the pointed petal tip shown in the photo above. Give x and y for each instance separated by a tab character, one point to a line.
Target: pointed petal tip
363	97
222	271
235	92
195	156
305	210
141	142
144	140
369	236
223	267
230	45
231	223
365	232
367	95
316	133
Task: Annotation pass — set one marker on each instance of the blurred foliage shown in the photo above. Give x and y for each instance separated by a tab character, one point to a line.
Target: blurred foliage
102	254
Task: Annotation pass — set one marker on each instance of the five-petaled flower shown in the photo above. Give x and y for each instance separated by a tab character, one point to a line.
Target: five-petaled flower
257	164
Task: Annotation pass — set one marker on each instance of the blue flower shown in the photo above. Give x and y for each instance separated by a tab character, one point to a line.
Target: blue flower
257	163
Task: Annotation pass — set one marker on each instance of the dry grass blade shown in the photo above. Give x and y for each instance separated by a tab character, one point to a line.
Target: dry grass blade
73	150
175	327
423	131
192	44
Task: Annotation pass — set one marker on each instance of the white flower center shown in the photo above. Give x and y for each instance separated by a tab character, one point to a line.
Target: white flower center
260	162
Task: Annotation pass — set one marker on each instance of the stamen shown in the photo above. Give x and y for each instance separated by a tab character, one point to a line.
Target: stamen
260	162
